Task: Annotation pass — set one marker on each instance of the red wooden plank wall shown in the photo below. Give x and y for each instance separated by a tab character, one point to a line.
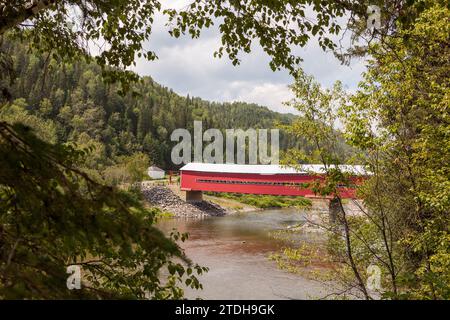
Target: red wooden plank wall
282	184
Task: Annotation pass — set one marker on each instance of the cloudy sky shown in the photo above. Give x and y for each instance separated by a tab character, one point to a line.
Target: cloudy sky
188	67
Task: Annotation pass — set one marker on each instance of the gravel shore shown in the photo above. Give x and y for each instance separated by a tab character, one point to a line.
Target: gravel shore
166	200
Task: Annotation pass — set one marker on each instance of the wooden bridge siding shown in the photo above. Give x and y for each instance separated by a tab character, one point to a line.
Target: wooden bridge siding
189	182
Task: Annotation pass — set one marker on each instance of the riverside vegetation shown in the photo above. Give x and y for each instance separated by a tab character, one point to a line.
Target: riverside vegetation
264	201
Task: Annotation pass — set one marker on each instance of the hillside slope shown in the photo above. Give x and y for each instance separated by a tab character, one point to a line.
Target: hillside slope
75	97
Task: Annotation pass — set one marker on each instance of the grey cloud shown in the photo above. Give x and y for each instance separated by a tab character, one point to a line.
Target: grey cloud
188	67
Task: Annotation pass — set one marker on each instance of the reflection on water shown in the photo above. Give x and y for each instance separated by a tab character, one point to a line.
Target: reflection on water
235	248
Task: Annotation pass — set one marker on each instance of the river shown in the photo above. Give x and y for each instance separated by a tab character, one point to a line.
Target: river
236	249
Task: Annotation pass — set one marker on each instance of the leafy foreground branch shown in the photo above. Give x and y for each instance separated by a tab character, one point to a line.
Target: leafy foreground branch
53	215
399	121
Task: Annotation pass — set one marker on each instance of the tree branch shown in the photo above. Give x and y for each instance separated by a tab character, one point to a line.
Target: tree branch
13	16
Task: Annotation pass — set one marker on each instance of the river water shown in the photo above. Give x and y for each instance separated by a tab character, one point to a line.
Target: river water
236	249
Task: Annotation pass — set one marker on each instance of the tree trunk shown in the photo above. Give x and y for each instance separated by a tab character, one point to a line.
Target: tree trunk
12	16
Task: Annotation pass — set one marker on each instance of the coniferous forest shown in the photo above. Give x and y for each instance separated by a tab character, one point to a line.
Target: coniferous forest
71	102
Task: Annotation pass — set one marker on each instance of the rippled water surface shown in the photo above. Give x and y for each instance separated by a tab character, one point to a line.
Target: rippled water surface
236	247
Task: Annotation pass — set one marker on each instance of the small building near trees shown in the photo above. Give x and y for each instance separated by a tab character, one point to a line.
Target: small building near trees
155	173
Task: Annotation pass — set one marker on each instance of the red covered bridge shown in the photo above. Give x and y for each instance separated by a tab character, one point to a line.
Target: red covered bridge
259	179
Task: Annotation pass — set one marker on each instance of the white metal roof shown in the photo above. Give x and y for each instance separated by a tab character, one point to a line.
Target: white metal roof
266	169
155	168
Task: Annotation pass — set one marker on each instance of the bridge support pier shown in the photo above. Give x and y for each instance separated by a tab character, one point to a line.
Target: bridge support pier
334	210
192	196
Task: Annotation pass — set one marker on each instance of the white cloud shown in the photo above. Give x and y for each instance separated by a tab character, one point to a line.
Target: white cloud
188	67
265	94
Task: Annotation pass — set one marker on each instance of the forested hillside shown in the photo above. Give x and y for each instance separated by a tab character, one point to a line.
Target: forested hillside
71	102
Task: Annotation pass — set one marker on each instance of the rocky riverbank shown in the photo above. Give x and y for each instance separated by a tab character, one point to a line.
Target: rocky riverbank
165	199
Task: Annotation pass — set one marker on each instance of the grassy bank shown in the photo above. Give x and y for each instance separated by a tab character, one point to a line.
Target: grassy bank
264	201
